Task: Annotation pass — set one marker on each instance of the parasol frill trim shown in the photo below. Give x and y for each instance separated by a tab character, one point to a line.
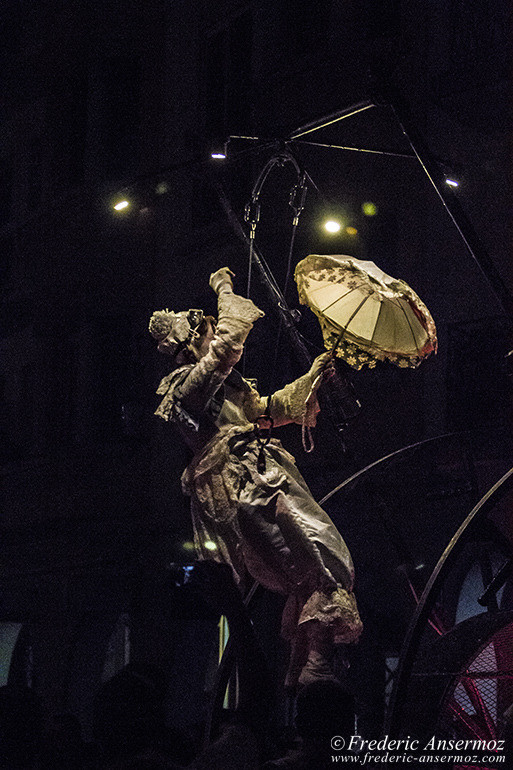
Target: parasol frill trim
370	283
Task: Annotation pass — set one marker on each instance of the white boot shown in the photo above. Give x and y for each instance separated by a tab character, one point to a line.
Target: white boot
321	649
317	668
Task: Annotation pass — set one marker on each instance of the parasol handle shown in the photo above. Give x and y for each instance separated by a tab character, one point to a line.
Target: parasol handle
337	343
341	394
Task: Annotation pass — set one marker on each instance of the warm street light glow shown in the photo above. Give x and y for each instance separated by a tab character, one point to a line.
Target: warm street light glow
351	231
210	545
332	226
121	205
369	209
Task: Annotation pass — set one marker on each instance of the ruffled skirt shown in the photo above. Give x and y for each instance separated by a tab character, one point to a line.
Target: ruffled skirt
269	524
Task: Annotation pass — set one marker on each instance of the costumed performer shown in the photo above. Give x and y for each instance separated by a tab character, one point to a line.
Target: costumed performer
247	496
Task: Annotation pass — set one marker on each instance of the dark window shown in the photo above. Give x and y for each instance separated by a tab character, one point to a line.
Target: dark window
9	441
116	374
383	19
21	669
5	191
120	122
35	174
61	403
118	650
26	405
239	72
380	234
6	259
228	78
205	205
477	382
215	85
305	26
70	127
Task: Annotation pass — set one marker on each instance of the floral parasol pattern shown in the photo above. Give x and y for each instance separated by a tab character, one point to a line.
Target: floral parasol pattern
365	314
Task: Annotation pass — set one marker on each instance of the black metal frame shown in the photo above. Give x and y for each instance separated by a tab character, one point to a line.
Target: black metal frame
392	99
431	591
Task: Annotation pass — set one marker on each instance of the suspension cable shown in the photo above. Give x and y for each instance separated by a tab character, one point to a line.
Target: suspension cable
252	217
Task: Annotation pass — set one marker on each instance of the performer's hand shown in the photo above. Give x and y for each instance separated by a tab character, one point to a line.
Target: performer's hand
221	280
323	366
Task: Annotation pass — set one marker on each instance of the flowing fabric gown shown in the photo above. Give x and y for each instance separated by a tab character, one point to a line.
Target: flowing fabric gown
265	522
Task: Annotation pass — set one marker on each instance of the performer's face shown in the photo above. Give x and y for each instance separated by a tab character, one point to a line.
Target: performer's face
167	345
203	343
195	350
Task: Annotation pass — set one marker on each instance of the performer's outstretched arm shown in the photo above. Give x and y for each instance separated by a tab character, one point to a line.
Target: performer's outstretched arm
297	401
191	387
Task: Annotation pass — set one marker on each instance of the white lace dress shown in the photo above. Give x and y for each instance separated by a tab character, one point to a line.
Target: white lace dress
265	522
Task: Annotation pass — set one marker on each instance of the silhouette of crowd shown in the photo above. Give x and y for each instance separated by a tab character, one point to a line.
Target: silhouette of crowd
133	731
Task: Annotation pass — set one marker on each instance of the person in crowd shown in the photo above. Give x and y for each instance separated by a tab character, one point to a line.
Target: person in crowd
325	721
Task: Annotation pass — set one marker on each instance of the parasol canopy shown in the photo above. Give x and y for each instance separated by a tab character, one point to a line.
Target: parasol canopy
365	314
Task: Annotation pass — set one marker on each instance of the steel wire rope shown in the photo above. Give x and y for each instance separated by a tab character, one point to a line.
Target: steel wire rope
252	217
297	202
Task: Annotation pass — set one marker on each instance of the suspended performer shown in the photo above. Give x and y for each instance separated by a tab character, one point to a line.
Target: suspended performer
247	495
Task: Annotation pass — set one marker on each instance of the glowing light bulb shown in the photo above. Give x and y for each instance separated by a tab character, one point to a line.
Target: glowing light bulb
219	149
210	545
351	231
369	209
332	226
188	545
452	182
121	205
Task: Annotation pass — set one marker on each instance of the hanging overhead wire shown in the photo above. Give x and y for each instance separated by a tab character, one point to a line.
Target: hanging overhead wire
297	202
252	210
252	217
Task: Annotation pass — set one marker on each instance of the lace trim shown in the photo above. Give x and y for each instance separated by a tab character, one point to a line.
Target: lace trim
168	409
214	478
336	609
239	308
296	402
356	352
